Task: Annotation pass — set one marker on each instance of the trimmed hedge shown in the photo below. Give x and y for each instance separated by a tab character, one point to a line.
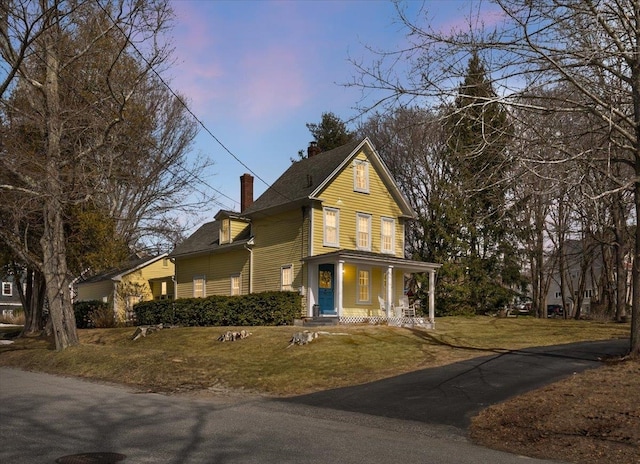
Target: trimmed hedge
268	308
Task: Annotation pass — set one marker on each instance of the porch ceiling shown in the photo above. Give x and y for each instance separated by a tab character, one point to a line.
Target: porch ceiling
375	259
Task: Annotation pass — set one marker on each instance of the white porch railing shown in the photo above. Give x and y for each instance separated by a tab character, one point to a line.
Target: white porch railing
394	321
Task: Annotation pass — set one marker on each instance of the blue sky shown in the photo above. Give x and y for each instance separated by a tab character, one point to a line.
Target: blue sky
255	72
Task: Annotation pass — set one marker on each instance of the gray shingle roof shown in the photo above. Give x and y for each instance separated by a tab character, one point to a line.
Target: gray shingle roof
207	239
302	178
125	268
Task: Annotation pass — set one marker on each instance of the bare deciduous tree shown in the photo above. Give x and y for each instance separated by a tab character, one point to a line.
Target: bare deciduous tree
88	121
589	48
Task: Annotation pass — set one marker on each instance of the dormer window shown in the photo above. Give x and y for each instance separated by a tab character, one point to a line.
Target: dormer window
361	176
225	231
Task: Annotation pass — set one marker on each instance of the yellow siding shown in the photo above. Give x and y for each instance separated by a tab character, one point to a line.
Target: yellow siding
378	203
97	291
217	270
279	240
237	228
160	268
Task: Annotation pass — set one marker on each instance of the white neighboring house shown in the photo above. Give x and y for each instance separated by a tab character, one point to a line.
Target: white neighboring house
581	266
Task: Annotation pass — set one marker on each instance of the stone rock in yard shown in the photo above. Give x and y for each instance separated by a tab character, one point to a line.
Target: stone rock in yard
145	330
302	338
233	336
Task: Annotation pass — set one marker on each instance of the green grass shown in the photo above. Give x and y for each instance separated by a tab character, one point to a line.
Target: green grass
183	359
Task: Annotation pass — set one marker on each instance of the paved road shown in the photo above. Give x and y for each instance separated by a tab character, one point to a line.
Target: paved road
44	418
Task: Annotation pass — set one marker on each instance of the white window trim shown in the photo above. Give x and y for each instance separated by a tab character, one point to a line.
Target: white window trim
10	292
358	270
324	227
392	221
368	217
231	279
357	163
204	286
282	284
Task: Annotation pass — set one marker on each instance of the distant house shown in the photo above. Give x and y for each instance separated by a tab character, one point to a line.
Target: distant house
583	270
331	228
140	279
10	302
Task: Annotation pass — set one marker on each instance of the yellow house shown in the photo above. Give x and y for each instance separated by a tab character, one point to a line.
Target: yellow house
140	279
331	227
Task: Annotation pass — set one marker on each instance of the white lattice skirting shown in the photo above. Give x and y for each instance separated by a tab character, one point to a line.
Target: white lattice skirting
392	321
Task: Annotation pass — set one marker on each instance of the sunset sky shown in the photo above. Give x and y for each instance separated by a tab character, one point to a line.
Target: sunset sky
255	72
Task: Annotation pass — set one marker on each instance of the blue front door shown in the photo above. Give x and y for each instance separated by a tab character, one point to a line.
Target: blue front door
325	289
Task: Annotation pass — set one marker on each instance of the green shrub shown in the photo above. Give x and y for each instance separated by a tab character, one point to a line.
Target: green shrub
268	308
84	312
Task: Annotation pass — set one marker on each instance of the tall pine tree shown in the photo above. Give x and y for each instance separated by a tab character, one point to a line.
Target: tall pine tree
478	136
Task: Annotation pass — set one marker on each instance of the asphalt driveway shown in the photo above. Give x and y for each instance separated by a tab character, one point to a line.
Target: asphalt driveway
452	394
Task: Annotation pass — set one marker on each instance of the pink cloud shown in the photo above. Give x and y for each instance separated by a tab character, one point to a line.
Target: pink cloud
274	83
242	68
196	67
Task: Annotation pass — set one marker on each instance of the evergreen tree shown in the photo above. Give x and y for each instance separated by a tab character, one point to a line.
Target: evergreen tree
331	132
478	136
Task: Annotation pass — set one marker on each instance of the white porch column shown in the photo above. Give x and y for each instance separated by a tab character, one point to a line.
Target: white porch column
432	295
389	291
339	287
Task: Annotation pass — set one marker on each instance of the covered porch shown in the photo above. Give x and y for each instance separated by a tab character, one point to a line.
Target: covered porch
362	287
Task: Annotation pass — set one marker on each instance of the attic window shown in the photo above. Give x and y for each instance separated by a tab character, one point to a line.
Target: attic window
361	176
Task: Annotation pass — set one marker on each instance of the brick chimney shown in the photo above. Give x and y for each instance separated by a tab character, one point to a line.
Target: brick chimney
246	191
313	149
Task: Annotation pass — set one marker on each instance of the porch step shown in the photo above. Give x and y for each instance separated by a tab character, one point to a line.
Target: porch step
316	321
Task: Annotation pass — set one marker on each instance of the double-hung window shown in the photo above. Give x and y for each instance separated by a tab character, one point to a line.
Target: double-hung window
364	286
199	287
286	278
235	284
363	231
361	176
7	289
387	239
331	227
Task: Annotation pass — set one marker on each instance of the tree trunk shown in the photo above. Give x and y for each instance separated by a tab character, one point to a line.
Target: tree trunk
634	345
33	303
63	321
54	266
621	269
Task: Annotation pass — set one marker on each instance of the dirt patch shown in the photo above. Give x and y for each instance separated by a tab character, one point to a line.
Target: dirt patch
590	418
